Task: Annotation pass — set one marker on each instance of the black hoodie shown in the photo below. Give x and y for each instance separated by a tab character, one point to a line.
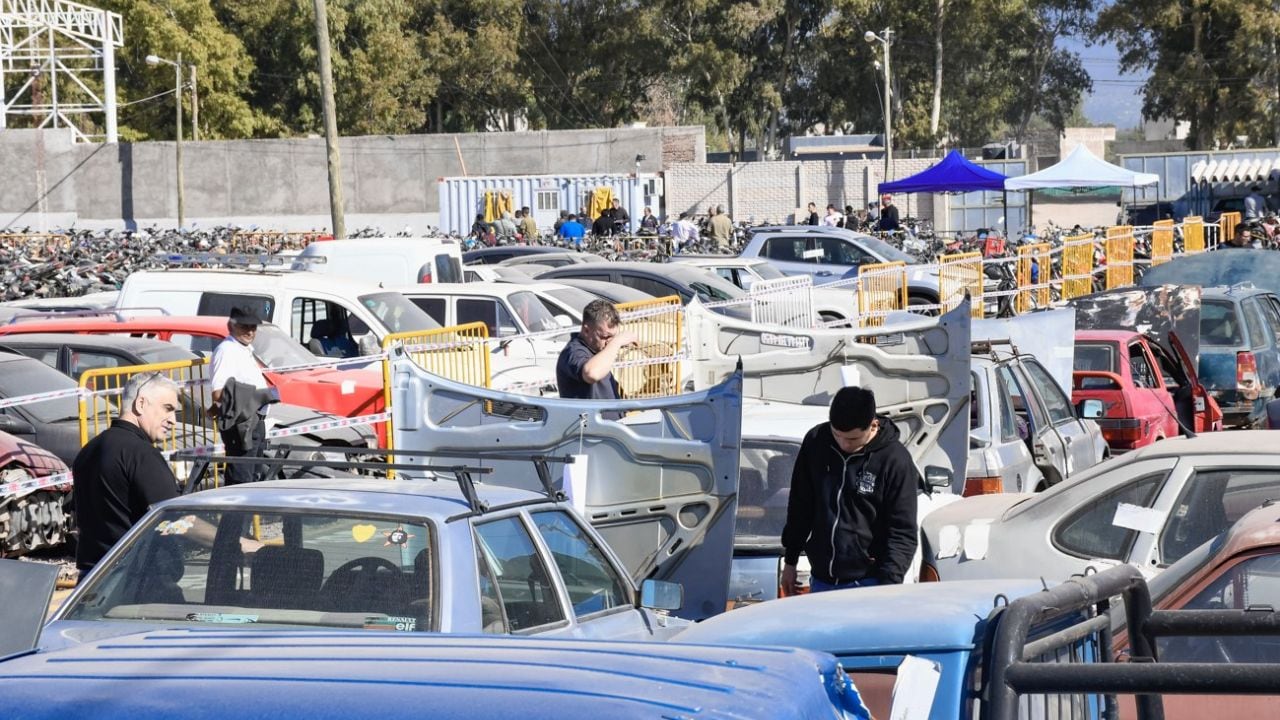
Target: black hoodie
854	516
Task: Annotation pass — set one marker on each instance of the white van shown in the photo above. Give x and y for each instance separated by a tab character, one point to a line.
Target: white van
332	316
386	261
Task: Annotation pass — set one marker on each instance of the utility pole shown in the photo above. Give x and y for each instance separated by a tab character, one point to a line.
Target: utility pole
195	107
885	38
177	96
330	121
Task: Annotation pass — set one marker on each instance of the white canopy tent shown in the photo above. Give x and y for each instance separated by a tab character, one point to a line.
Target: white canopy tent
1082	169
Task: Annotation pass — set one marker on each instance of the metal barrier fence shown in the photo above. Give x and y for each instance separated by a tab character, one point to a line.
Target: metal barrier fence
1161	242
195	428
882	288
958	274
1119	256
37	246
651	368
1227	223
1035	271
785	301
1193	235
1077	266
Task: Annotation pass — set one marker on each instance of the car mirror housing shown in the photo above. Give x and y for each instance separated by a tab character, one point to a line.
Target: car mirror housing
564	321
936	476
1090	409
661	595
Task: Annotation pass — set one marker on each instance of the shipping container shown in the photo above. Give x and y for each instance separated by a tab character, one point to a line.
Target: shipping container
1194	182
462	198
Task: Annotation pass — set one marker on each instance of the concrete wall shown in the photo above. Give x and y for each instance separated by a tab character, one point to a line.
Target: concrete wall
49	181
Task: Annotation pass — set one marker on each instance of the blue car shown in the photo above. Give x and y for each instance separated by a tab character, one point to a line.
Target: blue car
1240	351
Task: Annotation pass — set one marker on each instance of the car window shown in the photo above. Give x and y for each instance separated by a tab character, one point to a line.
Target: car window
649	285
1210	503
1219	325
433	306
1025	418
448	269
308	569
1055	401
396	313
531	312
273	347
715	291
838	251
202	345
46	355
28	377
525	590
1091	532
1271	311
1096	356
591	581
1259	335
572	297
1140	368
490	312
492	619
1253	582
764	484
220	304
1170	371
766	271
306	312
785	249
1009	430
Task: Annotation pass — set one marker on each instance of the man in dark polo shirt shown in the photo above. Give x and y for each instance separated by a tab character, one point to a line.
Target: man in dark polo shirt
585	368
120	474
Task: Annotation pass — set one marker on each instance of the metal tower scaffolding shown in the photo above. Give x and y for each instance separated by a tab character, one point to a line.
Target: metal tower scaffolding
64	42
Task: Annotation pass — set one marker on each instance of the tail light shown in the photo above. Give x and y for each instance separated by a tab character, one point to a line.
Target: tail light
424	275
929	573
982	486
1246	371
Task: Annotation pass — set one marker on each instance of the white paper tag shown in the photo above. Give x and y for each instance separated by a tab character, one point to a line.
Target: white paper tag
1134	517
575	483
811	254
977	537
948	542
348	387
914	688
850	376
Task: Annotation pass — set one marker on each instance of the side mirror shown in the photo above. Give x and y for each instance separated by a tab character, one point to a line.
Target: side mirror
936	476
16	425
1090	409
661	595
507	330
368	344
356	326
564	321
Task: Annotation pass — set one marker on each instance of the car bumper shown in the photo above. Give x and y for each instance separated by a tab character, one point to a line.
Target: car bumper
1238	410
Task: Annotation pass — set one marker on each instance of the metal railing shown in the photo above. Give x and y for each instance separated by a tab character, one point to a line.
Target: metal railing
785	301
1035	270
958	274
1161	242
882	289
1193	235
1077	266
651	368
1119	271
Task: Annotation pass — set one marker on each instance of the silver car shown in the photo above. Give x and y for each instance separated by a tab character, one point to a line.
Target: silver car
1149	508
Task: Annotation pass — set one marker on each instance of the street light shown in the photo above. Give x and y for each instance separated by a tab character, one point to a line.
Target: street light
885	38
154	60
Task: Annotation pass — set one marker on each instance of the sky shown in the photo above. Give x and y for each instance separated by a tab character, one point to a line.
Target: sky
1116	99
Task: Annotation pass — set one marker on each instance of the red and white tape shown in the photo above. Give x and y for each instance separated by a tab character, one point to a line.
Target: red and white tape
19	487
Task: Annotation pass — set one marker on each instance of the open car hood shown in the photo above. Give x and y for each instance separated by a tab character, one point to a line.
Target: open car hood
662	482
1156	312
917	366
1040	334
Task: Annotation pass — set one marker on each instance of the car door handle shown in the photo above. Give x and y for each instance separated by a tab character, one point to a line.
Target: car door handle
1069	439
823	273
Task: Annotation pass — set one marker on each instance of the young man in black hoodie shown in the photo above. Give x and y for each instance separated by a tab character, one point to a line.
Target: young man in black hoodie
852	508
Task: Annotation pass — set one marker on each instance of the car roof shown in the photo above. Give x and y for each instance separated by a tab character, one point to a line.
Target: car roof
207	674
888	618
480	289
1258	528
199	323
1214	443
1241	290
512	250
1107	335
218	278
124	343
434	499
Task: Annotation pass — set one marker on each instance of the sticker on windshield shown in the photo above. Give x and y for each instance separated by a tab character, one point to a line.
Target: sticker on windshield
363	533
176	527
222	618
396	537
390	622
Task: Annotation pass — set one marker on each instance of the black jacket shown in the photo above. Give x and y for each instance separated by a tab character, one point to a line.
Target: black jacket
854	516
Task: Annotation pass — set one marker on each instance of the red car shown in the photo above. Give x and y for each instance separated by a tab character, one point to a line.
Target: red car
346	393
32	517
1145	390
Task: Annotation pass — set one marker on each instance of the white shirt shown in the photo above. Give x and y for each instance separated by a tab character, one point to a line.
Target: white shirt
684	231
233	360
832	220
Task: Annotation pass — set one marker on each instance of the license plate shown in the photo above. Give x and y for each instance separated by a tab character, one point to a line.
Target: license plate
1199	404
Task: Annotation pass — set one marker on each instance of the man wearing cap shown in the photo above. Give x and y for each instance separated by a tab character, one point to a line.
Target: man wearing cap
852	507
233	360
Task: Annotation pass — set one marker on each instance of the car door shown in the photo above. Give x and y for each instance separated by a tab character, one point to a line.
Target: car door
1195	409
1067	432
1048	450
838	257
1152	400
519	591
792	254
661	482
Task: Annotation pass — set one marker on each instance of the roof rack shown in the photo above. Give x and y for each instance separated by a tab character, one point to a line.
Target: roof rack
120	314
239	260
988	346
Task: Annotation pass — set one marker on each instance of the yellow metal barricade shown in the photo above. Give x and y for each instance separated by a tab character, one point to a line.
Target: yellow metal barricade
1161	242
459	353
651	368
1077	266
1193	234
37	246
958	274
1119	256
1034	271
195	428
1227	223
882	288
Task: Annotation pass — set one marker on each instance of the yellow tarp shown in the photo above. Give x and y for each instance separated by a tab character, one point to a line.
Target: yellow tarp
601	198
497	202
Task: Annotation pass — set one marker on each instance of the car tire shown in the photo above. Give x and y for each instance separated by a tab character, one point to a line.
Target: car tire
918	300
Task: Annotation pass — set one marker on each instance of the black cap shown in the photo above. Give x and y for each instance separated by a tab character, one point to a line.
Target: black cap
245	315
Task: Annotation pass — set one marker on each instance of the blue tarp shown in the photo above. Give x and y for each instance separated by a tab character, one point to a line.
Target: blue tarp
952	174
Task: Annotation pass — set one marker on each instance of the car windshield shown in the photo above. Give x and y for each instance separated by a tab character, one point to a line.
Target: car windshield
28	377
767	271
887	251
1219	325
245	567
166	353
396	313
274	348
573	297
532	312
764	484
1099	356
710	287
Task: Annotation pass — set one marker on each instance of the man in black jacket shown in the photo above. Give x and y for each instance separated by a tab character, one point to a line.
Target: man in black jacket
852	507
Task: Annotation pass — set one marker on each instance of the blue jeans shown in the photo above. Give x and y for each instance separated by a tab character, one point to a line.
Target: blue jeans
816	585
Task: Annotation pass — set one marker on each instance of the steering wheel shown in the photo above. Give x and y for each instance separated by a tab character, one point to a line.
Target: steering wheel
354	582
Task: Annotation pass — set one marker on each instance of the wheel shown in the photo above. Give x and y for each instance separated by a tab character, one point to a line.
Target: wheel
831	319
922	305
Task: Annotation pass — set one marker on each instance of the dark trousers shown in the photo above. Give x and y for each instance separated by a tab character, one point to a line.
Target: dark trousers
239	446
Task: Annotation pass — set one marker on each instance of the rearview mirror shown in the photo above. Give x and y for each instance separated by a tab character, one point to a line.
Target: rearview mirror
661	595
936	476
1090	409
16	425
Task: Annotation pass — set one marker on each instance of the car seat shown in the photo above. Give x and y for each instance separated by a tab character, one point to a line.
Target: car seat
286	577
320	332
164	570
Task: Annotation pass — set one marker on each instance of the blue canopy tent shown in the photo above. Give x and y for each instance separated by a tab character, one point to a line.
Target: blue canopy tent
953	174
